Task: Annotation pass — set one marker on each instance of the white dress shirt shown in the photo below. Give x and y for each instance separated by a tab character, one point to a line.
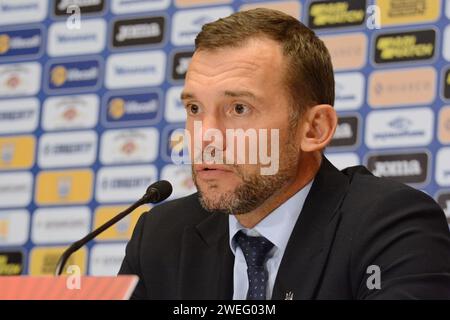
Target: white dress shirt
277	228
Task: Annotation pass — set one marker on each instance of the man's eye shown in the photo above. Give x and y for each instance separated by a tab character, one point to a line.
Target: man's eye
193	109
240	109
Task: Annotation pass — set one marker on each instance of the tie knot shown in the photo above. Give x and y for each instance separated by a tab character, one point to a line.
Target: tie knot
255	249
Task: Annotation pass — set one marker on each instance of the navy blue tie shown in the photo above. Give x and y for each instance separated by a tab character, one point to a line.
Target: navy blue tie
255	251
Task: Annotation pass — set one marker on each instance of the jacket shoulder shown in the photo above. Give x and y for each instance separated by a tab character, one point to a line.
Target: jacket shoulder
367	186
375	199
401	230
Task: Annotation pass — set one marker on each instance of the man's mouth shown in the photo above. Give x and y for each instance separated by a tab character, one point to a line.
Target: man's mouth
208	172
208	167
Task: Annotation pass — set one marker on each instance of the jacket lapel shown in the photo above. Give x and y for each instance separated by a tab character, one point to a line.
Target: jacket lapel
206	262
301	267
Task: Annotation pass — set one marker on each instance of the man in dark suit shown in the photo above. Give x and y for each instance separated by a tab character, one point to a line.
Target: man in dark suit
294	228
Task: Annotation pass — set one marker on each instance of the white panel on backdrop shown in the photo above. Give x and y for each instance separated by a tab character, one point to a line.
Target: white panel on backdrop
399	128
67	149
123	184
90	38
349	91
142	69
20	79
106	259
447	8
19	115
14	227
23	11
443	167
174	110
70	112
446	43
129	145
60	225
188	23
15	189
130	6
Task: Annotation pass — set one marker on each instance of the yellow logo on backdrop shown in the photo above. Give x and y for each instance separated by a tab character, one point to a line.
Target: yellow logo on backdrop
9	268
4	43
117	108
121	230
17	152
43	260
64	187
393	47
59	76
335	13
399	12
292	8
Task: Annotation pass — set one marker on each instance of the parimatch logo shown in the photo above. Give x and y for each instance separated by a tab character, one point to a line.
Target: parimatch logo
405	46
446	84
11	263
337	13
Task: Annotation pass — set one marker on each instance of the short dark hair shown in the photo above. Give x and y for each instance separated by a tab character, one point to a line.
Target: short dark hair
309	72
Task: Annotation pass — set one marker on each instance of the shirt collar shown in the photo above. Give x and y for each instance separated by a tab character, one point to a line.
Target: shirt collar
278	225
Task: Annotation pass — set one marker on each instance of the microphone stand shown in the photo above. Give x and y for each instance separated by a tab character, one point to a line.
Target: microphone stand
78	244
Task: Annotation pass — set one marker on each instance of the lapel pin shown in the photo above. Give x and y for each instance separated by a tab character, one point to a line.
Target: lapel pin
289	296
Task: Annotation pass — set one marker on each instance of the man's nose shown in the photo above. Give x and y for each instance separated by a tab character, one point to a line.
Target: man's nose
213	133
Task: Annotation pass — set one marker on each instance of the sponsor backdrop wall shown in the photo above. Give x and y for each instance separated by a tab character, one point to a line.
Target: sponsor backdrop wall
89	116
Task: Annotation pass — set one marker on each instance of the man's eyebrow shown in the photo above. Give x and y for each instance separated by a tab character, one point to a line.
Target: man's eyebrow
186	95
227	93
237	94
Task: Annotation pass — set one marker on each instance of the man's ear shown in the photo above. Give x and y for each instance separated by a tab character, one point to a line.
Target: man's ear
318	126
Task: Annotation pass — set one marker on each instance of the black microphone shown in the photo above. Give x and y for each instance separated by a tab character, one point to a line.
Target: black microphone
155	193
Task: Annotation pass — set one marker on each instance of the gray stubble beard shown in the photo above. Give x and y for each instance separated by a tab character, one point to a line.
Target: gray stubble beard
255	188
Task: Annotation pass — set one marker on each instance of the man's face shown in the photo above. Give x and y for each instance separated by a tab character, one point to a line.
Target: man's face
239	88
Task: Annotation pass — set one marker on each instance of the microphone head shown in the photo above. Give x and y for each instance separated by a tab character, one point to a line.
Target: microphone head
158	191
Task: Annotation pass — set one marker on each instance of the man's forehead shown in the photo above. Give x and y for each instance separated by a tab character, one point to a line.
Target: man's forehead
243	65
240	70
250	54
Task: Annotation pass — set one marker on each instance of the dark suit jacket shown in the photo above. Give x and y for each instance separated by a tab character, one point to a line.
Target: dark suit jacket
350	221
